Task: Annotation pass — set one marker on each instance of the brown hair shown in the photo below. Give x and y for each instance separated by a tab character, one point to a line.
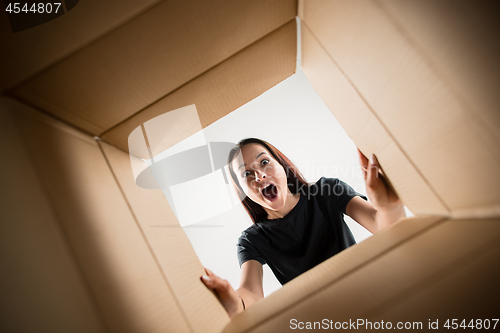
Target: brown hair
295	179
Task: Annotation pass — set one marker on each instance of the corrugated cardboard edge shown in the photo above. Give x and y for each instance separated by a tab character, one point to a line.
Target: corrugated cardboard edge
171	247
436	37
334	270
113	78
99	228
236	81
364	127
41	279
438	133
393	285
62	37
300	9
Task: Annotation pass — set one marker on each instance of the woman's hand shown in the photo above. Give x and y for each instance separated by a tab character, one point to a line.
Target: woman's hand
227	295
378	189
383	197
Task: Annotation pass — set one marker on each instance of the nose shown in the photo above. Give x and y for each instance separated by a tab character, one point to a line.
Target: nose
259	175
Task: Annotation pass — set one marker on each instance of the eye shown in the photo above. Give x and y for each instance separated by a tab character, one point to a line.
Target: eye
264	162
245	174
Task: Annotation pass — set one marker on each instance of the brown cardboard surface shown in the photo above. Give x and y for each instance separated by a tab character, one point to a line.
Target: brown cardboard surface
29	52
115	259
330	272
111	256
363	125
447	253
300	10
43	288
459	39
171	127
440	134
172	248
471	289
148	57
225	87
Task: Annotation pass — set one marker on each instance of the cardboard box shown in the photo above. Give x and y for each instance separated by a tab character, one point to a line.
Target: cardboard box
415	82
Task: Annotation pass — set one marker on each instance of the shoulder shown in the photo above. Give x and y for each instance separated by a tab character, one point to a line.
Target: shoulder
324	186
249	234
323	181
335	187
335	191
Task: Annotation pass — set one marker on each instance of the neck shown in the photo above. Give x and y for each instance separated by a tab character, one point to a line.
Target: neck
290	203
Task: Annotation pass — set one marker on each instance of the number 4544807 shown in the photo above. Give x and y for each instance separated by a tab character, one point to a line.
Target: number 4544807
473	323
39	8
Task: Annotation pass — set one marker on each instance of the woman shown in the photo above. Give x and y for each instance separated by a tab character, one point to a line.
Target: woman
296	225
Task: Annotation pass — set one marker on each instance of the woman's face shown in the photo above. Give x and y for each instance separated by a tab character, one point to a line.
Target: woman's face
261	177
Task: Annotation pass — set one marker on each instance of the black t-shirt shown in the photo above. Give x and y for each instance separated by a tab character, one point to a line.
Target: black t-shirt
313	231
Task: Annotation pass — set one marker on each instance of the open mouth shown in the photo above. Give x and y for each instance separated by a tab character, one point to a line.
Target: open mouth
270	192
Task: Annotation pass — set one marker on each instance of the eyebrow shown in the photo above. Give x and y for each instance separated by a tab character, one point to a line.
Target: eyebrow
256	157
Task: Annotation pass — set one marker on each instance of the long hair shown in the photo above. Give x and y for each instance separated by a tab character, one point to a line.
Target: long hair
295	179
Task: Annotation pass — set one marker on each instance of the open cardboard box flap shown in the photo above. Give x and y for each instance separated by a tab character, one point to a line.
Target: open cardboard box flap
405	273
414	82
410	98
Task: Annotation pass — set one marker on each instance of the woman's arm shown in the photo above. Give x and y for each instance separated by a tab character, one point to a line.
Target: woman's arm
251	285
372	219
249	292
385	207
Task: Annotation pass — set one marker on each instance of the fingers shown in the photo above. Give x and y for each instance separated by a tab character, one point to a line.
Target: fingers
363	161
370	168
372	172
378	185
208	279
212	281
226	294
362	158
